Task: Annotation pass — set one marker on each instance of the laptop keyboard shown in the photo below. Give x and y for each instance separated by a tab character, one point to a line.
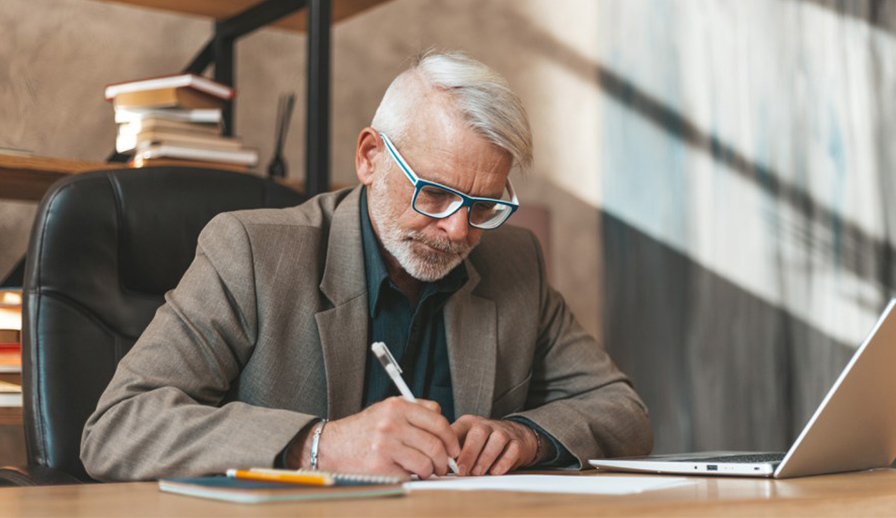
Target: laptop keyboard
749	458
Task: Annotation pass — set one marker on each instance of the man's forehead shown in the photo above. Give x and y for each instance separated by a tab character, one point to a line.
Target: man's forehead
437	117
441	146
469	172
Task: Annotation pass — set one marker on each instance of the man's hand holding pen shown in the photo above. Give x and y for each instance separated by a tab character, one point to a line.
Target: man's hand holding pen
396	436
393	436
404	435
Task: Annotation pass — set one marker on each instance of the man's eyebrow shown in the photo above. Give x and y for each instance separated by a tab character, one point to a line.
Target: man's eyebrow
490	196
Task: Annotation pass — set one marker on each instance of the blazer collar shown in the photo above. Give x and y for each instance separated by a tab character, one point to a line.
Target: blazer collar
343	277
471	329
343	328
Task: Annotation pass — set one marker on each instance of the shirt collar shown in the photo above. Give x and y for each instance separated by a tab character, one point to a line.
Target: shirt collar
375	267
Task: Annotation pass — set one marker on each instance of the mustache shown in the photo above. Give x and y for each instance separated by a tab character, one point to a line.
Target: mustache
443	245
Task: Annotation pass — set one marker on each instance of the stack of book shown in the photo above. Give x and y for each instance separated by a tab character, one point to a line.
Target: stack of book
10	394
176	120
10	333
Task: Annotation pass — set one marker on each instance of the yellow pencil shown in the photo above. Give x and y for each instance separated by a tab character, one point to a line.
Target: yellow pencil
304	479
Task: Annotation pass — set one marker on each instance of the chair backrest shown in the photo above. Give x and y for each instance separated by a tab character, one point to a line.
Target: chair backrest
104	249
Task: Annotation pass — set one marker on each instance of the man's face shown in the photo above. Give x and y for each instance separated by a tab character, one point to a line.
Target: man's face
439	147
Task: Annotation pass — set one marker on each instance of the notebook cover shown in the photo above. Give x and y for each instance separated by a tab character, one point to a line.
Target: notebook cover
253	492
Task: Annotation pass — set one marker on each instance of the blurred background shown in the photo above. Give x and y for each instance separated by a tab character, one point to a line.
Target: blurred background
716	175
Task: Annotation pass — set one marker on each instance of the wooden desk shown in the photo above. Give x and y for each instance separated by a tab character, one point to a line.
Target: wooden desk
870	493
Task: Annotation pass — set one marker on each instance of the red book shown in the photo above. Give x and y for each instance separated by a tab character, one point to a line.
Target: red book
11	355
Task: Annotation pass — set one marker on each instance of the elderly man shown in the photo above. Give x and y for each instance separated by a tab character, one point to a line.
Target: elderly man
261	355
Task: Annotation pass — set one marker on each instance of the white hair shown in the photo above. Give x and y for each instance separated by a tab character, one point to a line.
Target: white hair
481	95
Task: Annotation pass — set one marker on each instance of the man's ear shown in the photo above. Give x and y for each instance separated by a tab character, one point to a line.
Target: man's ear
366	155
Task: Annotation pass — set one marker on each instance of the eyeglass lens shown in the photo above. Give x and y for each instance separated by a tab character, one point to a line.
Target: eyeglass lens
439	203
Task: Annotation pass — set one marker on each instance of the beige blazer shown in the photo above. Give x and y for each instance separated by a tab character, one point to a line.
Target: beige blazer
267	331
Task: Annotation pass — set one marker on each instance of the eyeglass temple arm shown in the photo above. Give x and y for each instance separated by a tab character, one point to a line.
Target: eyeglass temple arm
398	158
513	198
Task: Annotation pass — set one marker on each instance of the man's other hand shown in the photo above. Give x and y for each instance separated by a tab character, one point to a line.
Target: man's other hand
493	447
393	436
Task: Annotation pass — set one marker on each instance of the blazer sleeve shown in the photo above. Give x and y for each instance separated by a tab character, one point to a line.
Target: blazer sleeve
162	413
577	394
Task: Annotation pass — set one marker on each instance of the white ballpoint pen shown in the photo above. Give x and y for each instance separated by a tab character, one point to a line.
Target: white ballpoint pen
394	371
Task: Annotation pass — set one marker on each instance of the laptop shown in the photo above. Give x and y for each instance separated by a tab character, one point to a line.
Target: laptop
853	429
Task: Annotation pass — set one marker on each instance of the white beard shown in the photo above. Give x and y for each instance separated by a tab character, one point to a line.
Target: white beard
407	246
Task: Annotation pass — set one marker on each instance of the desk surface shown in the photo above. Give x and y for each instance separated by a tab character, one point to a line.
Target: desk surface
869	493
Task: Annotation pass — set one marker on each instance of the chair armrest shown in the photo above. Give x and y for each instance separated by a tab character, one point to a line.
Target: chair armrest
33	475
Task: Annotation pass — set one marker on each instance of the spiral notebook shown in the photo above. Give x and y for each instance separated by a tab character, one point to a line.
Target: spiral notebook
253	492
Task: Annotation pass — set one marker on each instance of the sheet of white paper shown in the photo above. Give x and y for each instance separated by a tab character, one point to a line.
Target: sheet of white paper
551	484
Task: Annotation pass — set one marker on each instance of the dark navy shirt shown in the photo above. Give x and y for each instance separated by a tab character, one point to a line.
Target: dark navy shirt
414	335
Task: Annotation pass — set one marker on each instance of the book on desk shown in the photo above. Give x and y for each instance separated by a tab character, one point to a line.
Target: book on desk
10	341
232	489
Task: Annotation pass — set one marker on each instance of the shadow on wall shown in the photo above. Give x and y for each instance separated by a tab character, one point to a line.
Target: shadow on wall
642	104
814	214
719	367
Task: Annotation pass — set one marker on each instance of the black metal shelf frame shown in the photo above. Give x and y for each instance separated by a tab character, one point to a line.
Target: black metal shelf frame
219	51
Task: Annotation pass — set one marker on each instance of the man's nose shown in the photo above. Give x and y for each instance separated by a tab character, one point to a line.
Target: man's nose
457	225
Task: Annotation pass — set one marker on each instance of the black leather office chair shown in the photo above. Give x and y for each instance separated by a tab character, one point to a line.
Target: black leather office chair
104	249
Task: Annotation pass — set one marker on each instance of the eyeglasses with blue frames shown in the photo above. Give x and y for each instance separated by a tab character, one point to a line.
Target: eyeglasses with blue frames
439	201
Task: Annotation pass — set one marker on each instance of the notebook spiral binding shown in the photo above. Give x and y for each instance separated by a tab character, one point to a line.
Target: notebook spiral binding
357	477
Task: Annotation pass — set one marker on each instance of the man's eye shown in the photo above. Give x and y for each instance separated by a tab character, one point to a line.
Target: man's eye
436	194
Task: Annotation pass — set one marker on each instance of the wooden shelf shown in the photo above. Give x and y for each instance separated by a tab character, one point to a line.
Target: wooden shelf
10	415
220	9
27	178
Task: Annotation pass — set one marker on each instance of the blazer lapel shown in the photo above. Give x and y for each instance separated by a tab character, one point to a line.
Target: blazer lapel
471	332
343	328
343	337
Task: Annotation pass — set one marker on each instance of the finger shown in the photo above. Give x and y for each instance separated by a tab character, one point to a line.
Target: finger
427	444
495	444
431	405
473	444
436	424
412	461
462	426
509	458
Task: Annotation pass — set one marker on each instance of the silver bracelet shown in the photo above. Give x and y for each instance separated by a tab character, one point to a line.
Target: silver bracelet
537	446
315	442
